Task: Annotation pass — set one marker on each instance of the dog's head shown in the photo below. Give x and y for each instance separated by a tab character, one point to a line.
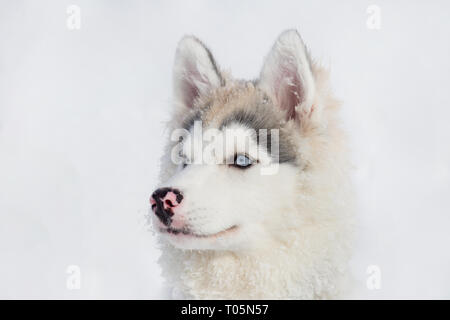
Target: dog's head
233	169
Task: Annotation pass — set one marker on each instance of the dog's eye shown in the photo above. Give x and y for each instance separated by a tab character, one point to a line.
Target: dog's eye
242	161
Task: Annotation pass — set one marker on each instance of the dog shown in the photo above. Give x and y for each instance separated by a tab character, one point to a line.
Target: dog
265	218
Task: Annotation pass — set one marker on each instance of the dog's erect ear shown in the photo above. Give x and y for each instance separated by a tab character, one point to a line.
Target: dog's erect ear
287	75
195	71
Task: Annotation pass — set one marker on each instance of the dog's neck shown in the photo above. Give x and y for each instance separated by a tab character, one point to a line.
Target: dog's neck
223	274
251	274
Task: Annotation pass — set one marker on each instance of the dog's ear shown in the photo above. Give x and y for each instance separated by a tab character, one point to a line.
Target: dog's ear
287	77
195	71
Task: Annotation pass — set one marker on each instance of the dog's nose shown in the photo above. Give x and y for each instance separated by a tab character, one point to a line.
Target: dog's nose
163	201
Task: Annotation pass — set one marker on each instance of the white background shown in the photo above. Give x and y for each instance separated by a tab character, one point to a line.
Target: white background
81	126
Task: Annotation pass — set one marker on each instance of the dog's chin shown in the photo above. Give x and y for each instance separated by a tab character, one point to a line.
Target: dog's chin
187	239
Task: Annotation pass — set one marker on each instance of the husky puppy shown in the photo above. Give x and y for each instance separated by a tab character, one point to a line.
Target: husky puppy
268	218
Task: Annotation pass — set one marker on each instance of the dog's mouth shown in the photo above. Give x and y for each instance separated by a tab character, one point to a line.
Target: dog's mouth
187	232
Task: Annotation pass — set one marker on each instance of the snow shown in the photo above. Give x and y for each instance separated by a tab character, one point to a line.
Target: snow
81	125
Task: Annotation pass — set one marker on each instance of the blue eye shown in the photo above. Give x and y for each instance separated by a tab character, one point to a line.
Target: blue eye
242	161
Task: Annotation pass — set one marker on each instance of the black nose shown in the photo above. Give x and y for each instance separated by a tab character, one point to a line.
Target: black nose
164	201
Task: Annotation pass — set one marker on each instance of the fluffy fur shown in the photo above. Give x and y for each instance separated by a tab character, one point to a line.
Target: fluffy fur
293	234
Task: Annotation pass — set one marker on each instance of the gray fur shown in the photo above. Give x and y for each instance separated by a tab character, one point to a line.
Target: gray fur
264	117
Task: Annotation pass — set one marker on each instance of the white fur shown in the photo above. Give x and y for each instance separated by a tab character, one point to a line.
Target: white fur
294	228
